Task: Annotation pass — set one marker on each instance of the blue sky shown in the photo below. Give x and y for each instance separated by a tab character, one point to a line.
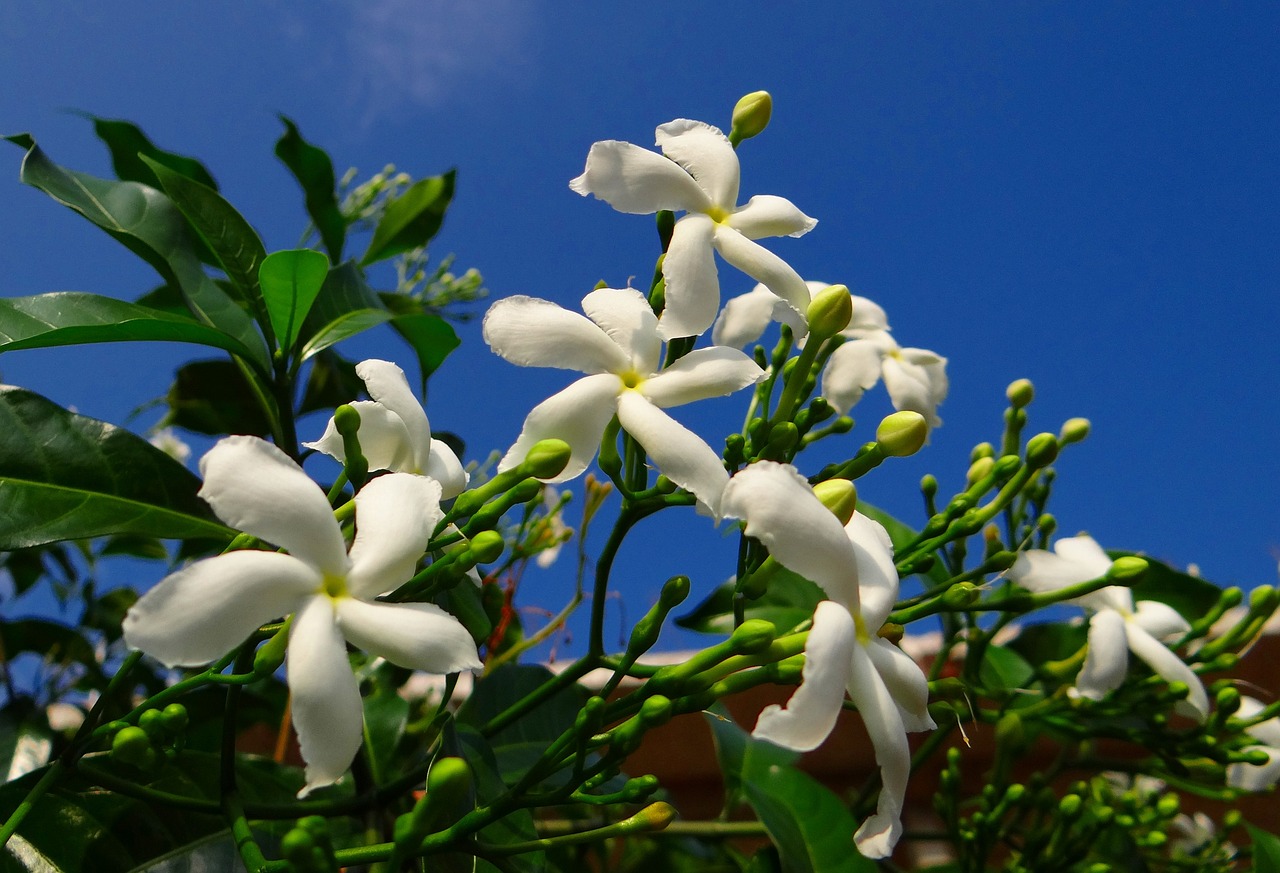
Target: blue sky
1082	194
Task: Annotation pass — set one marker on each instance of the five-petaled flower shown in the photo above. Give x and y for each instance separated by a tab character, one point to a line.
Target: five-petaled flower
698	175
205	610
1116	627
394	432
619	349
854	565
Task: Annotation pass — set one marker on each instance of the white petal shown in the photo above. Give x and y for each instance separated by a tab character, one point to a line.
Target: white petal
851	369
325	698
906	683
205	610
868	316
386	384
1073	560
915	386
762	265
395	516
625	315
1159	619
256	488
714	372
744	318
420	636
689	274
1085	552
811	712
677	452
1107	658
877	575
705	153
879	834
800	533
578	415
384	439
443	466
1171	668
638	181
1255	777
538	333
767	215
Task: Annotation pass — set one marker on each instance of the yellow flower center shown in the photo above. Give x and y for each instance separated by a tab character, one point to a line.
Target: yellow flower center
334	586
718	215
631	379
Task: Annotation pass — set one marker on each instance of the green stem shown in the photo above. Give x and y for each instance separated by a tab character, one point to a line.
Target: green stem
47	781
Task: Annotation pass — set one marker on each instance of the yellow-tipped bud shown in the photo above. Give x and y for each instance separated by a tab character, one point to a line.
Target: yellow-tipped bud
750	116
1020	393
829	312
979	470
1073	430
902	433
547	458
838	495
1128	569
655	816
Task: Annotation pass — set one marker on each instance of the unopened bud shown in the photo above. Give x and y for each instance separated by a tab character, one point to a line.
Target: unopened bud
547	458
1127	570
929	484
1227	702
486	546
270	655
750	116
902	433
1074	430
346	420
753	635
1020	393
838	495
961	595
979	470
1042	450
982	450
656	816
829	312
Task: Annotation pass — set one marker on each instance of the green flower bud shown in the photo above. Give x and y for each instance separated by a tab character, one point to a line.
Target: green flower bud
1020	393
296	846
152	722
640	787
961	595
1074	430
902	433
1001	561
1042	450
546	459
1231	819
829	312
753	635
1127	570
750	116
982	450
929	484
1010	732
1227	702
270	655
838	495
979	470
674	591
346	420
656	710
783	437
1167	805
656	816
1069	806
131	745
486	546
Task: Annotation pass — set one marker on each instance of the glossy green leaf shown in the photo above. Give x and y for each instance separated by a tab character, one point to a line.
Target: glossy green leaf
313	169
331	381
789	600
1266	850
133	154
1038	643
343	327
900	534
65	476
1190	595
1004	670
148	224
517	826
232	240
74	318
291	281
412	219
214	398
430	336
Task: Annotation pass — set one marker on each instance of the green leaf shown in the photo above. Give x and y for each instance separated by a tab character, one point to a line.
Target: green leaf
214	398
232	240
146	222
1056	641
386	714
412	219
1004	670
509	684
59	643
1266	850
314	172
430	336
133	155
515	827
1190	595
74	318
291	281
343	327
331	382
901	535
789	600
65	476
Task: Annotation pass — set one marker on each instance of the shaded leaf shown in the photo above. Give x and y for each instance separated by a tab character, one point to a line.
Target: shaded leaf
1266	850
313	169
789	600
131	149
1003	669
214	398
290	282
331	382
1190	595
412	219
66	476
1038	643
516	827
51	640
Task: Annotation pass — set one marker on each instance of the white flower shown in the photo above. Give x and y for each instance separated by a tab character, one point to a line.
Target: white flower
745	318
203	611
1257	777
394	431
171	444
698	175
1116	626
854	566
620	350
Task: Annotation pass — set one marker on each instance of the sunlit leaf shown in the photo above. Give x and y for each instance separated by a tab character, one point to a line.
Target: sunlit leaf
291	281
412	219
133	154
313	169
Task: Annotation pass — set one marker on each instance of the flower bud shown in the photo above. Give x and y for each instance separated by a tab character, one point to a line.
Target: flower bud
1073	430
979	470
838	495
982	450
346	420
655	816
1127	570
1228	702
902	433
750	116
1020	393
961	595
753	635
929	485
486	546
829	312
1042	450
270	655
656	710
547	458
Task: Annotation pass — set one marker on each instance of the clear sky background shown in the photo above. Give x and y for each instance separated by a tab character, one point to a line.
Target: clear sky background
1084	194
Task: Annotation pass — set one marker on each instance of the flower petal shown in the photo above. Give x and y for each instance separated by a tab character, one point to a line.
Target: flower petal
1073	560
689	274
420	636
386	384
256	488
1159	619
879	834
852	368
325	698
638	181
395	516
384	439
745	318
713	372
762	265
811	712
537	333
766	215
625	315
1168	666
1107	658
203	611
677	452
877	575
905	681
1085	552
578	415
443	466
705	153
916	386
868	317
800	533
